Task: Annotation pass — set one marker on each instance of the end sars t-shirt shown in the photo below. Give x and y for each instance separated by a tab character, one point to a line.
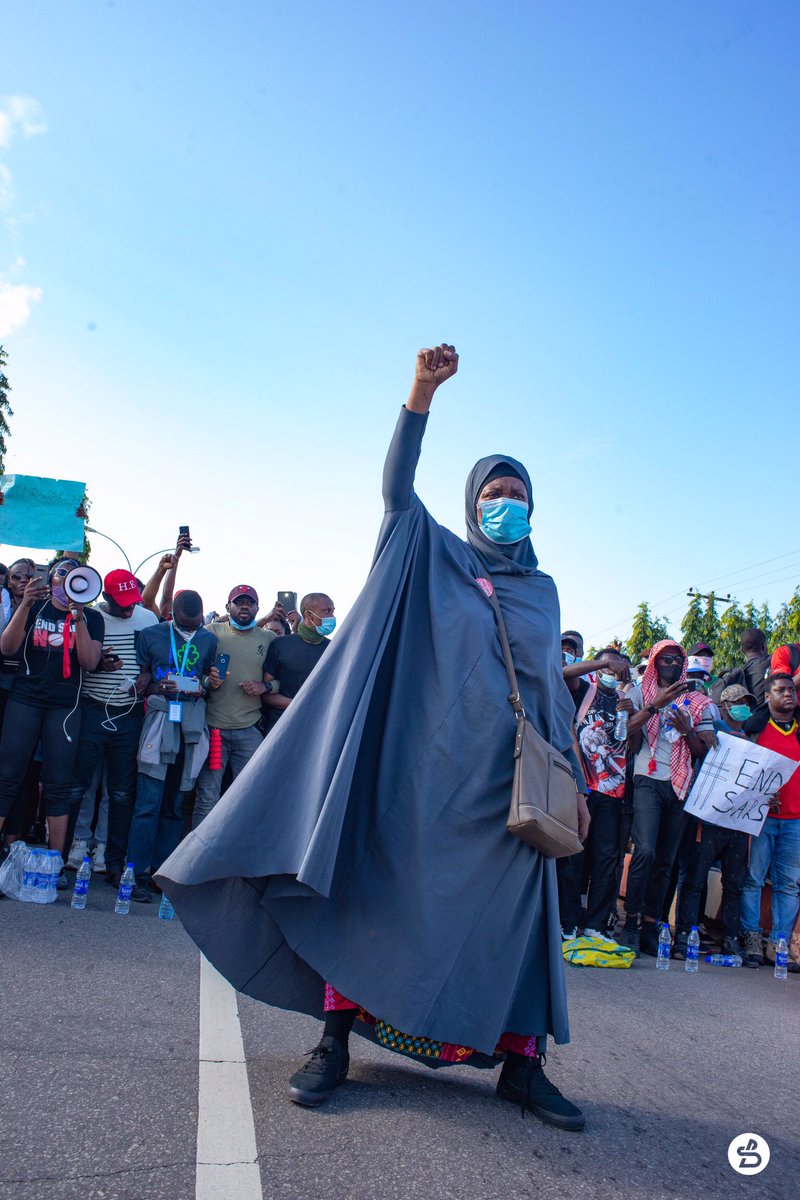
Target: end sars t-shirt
40	679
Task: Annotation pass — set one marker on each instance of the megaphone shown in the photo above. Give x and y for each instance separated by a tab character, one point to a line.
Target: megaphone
83	585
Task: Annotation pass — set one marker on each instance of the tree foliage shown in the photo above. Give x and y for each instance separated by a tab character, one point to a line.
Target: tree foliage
6	410
693	623
647	630
727	651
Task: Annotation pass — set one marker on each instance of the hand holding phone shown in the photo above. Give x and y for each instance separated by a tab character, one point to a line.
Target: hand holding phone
222	664
287	600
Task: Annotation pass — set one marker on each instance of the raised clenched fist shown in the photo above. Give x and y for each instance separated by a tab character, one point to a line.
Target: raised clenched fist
436	365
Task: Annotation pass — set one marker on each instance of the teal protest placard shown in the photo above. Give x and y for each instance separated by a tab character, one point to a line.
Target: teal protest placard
40	513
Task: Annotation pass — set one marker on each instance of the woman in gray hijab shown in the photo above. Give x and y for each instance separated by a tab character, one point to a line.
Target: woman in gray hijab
361	864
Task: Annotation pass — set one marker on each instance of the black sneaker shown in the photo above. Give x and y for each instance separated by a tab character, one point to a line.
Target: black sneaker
629	938
141	893
679	946
731	945
649	938
526	1085
327	1067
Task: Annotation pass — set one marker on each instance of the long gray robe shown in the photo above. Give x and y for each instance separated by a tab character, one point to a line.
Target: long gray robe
365	843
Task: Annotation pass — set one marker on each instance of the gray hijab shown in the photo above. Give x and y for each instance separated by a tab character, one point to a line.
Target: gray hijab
518	558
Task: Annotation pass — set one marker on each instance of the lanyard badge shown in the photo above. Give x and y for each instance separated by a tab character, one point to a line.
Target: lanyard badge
175	712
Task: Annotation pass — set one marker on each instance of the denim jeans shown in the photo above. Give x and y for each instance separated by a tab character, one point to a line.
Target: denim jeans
775	852
83	826
658	824
157	822
238	747
117	748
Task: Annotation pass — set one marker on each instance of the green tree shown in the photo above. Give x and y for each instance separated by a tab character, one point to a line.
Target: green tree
780	628
83	555
6	410
793	616
763	620
646	631
693	623
711	623
727	653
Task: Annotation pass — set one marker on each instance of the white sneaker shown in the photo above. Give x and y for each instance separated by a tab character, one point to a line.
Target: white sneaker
597	936
99	857
80	847
568	935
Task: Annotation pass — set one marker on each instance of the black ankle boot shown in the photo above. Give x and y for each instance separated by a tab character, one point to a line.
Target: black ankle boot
523	1082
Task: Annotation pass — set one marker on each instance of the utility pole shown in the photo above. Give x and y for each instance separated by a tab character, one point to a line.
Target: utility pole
710	596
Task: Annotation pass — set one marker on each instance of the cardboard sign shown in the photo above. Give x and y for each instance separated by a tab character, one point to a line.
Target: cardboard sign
736	783
40	513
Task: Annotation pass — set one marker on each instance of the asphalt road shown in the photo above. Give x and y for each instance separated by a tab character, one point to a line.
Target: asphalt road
99	1083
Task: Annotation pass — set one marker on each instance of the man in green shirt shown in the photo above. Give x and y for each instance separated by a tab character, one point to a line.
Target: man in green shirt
233	705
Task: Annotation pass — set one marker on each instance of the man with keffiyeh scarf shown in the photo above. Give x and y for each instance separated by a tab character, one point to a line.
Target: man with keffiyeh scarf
671	728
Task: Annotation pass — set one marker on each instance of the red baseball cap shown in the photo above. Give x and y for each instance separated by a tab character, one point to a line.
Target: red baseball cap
243	589
122	587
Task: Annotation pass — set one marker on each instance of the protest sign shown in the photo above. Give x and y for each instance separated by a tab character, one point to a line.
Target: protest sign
736	783
40	513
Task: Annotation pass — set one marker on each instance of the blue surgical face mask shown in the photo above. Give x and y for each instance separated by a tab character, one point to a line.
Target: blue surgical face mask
568	658
326	626
505	521
609	681
236	624
740	712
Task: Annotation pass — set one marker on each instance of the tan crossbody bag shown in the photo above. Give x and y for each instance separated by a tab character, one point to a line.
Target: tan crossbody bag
544	798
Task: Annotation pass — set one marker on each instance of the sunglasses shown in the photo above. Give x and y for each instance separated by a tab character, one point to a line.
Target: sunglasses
670	660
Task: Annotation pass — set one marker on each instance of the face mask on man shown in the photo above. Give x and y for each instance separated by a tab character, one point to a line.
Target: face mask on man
740	712
186	634
608	681
669	673
567	658
505	521
236	624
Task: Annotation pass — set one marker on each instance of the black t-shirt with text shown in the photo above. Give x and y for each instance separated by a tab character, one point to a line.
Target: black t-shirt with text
40	680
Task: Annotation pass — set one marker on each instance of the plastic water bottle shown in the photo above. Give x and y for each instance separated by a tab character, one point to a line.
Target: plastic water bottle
781	959
30	874
82	880
693	951
165	910
724	960
125	888
621	726
664	944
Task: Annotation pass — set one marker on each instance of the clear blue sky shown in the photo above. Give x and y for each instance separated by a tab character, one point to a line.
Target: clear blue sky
234	225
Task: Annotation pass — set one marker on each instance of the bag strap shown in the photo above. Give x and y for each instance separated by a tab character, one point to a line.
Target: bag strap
514	697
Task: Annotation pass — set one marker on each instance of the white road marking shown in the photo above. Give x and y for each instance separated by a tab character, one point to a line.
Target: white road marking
227	1164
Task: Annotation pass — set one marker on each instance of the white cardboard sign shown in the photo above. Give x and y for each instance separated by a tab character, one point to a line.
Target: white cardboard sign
736	782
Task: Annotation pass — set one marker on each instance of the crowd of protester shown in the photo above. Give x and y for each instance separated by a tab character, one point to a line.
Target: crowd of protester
639	778
122	723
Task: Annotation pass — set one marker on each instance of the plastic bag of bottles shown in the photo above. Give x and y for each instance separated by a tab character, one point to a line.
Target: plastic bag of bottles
12	870
40	876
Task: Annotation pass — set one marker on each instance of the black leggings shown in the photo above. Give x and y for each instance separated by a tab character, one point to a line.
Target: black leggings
23	727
